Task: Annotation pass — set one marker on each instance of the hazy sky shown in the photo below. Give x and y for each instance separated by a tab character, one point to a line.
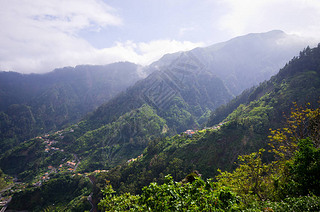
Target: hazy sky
40	35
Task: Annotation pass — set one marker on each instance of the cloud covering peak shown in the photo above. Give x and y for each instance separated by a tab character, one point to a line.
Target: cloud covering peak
38	36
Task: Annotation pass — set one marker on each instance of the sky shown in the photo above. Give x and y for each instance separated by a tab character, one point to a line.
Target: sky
40	35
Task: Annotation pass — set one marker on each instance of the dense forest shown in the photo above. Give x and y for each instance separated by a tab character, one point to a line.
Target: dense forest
287	183
245	130
280	177
33	104
133	153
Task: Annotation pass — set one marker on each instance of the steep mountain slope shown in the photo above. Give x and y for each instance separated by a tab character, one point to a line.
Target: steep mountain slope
243	61
297	81
162	104
244	131
184	87
37	103
180	92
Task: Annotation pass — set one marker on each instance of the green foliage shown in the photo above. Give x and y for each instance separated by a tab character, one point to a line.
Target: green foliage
172	196
115	130
298	81
38	103
29	159
251	179
219	114
124	202
59	190
304	170
253	185
119	141
296	170
303	122
102	148
290	204
5	180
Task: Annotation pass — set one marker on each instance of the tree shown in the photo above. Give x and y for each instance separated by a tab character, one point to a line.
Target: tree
303	122
304	169
251	179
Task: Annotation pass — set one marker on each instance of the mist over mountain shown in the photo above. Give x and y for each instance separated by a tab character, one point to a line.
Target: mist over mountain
242	61
181	92
37	103
182	87
108	116
205	78
245	129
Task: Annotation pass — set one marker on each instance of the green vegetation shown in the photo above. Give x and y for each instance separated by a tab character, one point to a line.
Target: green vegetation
198	195
119	141
5	180
60	193
30	159
244	131
298	81
34	104
130	136
289	183
108	146
182	95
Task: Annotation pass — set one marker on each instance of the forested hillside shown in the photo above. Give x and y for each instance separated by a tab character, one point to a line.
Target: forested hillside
139	135
245	130
287	183
244	61
31	104
285	178
181	93
164	103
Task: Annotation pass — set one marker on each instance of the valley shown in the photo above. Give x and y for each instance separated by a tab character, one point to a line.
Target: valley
185	121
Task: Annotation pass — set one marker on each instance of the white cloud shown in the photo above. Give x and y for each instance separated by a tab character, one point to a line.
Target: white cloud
38	36
155	49
184	30
293	16
142	53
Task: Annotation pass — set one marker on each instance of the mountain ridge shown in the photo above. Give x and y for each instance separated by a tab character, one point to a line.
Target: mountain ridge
182	93
58	98
245	130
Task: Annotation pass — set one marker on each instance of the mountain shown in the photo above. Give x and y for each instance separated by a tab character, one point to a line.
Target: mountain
244	61
245	129
178	95
31	104
184	87
119	130
171	99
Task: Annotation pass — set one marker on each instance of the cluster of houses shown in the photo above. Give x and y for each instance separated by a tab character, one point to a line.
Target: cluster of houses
191	132
218	126
99	171
134	159
49	146
72	165
45	176
49	143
